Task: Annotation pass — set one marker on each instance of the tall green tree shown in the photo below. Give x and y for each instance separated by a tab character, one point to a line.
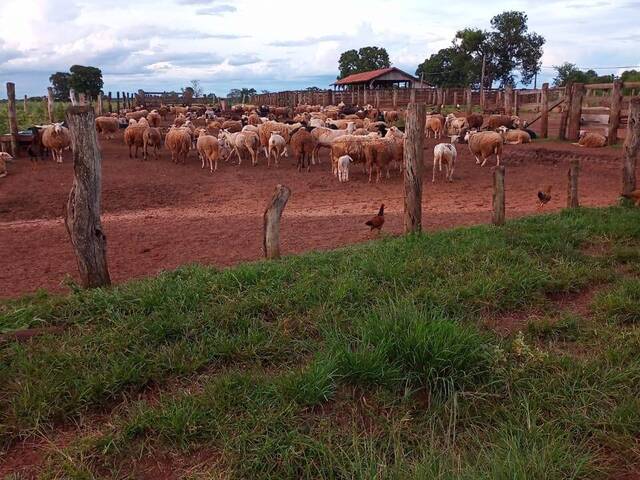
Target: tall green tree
568	72
363	60
87	80
450	67
241	94
60	83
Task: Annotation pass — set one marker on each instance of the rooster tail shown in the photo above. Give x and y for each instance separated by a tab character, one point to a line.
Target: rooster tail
381	212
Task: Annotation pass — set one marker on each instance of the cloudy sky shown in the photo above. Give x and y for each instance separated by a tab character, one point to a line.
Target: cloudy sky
279	44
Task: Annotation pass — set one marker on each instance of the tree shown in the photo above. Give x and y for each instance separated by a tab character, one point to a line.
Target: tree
241	94
568	72
507	49
60	83
313	89
197	88
87	80
187	95
363	60
450	67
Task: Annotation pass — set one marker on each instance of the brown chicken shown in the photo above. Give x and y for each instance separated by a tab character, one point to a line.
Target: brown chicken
634	197
544	197
376	222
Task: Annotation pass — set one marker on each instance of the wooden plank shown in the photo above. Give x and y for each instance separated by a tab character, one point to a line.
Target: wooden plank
575	110
631	148
413	166
13	122
544	114
614	115
598	86
572	188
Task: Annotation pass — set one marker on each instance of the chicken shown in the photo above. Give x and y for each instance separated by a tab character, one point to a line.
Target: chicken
376	222
544	196
634	197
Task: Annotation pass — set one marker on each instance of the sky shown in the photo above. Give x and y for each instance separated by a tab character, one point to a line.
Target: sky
280	44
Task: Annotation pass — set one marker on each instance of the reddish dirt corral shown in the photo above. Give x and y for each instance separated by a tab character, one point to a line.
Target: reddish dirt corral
158	215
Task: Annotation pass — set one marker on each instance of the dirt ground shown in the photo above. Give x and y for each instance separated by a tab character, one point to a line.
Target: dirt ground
158	215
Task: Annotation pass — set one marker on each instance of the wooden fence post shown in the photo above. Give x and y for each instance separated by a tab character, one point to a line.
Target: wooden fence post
575	109
516	103
82	217
99	109
378	99
469	104
24	105
508	97
562	135
271	222
109	103
412	96
395	98
631	148
455	98
498	214
614	112
118	102
413	166
13	122
572	189
544	119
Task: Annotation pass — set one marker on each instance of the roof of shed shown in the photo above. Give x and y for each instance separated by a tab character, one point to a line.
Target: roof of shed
368	76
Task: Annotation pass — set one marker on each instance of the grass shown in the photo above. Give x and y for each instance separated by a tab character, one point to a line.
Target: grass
36	114
365	362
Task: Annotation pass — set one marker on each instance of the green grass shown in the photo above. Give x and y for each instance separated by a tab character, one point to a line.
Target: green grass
36	114
366	362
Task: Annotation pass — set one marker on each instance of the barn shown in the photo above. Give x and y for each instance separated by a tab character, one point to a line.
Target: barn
382	78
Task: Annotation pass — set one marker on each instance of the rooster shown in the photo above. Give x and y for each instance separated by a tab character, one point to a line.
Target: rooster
544	197
634	197
376	222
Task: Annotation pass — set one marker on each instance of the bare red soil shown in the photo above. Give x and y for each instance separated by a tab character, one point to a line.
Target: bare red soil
158	215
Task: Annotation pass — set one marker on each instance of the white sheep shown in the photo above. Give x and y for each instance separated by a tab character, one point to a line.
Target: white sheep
343	168
277	148
56	138
444	153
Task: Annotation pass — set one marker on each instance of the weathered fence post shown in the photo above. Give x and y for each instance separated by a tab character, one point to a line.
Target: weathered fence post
109	103
497	217
508	98
575	109
82	217
455	98
631	148
562	135
516	103
413	166
395	97
24	105
271	219
412	95
572	190
544	114
614	112
99	105
118	102
13	123
469	104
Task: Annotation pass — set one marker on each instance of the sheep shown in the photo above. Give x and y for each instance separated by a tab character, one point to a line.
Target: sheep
154	118
343	168
316	122
178	142
591	140
475	120
163	111
351	127
254	119
208	149
232	126
444	153
485	144
453	124
133	137
381	152
433	126
56	138
324	138
214	127
394	132
143	122
514	137
277	148
242	141
179	120
250	128
496	121
4	158
303	144
151	137
136	115
265	129
390	117
107	126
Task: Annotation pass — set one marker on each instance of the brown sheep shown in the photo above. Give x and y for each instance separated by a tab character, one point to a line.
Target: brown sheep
434	126
209	150
485	144
151	137
133	137
239	141
515	137
4	158
178	142
154	119
352	145
56	138
380	153
475	121
163	111
136	115
214	127
107	126
254	119
232	126
496	121
391	117
303	145
592	140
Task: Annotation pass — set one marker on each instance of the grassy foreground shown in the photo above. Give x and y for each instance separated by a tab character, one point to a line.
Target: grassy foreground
374	361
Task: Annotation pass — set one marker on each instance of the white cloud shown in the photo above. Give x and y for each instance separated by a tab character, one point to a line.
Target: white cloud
271	44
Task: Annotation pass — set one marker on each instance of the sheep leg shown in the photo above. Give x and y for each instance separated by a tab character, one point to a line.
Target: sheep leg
477	160
433	177
498	159
253	153
484	161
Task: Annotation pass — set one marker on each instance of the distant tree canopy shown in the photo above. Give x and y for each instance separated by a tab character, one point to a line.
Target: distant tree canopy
241	94
87	80
60	83
568	72
363	60
508	48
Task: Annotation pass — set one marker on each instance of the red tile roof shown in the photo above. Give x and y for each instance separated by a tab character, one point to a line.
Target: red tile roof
368	76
